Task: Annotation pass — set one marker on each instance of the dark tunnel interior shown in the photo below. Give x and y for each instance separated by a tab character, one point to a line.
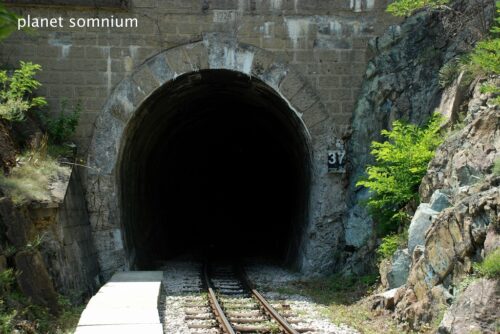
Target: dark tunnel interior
214	163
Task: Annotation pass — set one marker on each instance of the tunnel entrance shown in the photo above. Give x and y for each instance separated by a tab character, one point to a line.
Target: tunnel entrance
214	161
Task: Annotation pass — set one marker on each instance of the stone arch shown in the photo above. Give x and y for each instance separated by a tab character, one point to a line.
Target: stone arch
212	53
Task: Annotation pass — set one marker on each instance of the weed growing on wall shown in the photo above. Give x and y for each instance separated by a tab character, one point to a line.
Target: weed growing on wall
407	7
16	92
400	164
63	126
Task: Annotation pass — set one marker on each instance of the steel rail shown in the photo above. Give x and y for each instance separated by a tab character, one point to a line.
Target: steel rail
219	313
285	325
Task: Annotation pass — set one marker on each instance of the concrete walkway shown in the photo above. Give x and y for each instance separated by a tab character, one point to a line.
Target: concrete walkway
128	303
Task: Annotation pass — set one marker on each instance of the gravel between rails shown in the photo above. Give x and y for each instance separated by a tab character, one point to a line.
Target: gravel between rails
269	277
183	285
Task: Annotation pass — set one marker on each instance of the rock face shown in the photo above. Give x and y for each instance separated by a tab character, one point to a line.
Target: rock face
419	225
51	246
394	273
401	82
34	280
475	311
7	150
467	230
398	275
439	201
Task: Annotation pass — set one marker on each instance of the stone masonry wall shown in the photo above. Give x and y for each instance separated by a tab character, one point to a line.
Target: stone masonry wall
318	46
325	40
68	248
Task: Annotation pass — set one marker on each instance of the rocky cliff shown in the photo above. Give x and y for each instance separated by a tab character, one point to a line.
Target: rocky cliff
402	82
458	221
463	229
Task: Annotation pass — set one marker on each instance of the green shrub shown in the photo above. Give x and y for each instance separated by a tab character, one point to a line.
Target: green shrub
487	55
485	58
8	22
490	267
407	7
400	164
496	167
16	91
62	127
448	73
6	319
390	244
21	314
7	279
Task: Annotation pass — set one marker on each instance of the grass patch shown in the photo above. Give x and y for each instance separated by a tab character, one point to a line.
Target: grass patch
490	267
18	314
345	302
29	181
496	167
407	7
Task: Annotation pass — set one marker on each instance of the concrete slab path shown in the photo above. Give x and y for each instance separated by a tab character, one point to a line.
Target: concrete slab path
128	303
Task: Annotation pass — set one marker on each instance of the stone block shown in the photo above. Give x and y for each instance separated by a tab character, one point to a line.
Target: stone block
262	60
198	56
304	99
329	81
160	70
291	85
121	329
385	300
342	94
419	225
128	299
145	3
400	268
178	61
439	201
146	83
60	91
315	115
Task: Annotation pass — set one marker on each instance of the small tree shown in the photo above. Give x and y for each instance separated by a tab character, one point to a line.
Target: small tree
16	91
8	22
400	164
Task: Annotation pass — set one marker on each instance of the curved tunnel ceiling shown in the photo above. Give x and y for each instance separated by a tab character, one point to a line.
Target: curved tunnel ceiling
215	161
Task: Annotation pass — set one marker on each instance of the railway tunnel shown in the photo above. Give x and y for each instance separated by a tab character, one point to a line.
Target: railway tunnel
215	161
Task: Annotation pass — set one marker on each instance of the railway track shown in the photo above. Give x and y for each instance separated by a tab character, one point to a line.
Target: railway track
230	305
